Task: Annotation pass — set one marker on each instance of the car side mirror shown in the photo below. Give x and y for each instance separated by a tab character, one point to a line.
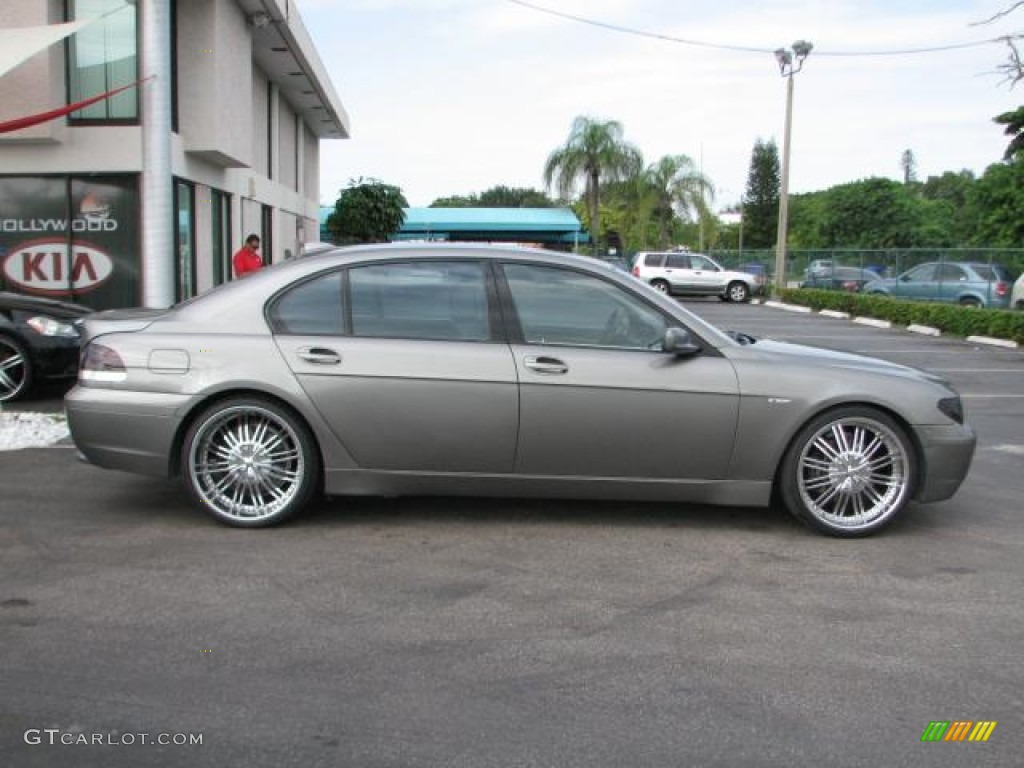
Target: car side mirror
679	342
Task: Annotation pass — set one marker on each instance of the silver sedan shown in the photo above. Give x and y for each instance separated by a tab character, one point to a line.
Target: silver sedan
477	370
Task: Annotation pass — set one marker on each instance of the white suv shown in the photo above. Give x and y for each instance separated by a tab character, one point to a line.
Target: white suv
692	274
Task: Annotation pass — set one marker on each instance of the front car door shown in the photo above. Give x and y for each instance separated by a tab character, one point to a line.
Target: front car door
707	276
918	283
404	362
597	396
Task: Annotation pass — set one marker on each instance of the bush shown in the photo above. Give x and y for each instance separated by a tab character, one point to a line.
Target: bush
948	318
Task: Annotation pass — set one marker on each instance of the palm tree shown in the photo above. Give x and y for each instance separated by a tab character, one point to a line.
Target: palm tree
679	187
595	150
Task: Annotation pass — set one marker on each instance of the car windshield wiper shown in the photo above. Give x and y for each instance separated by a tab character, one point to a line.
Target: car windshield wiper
741	338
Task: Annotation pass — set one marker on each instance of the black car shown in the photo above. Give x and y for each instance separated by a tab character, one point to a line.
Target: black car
850	279
38	342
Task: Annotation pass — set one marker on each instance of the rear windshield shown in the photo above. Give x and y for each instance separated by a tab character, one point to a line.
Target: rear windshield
991	272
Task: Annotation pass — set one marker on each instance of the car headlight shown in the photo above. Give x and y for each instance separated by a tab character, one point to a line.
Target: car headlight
48	326
952	407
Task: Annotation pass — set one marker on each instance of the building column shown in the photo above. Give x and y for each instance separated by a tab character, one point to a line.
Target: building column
158	232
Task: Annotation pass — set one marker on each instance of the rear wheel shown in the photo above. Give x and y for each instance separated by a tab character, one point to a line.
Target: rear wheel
738	291
970	301
15	369
250	462
849	472
660	285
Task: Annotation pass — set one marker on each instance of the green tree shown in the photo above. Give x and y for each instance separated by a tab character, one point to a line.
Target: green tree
368	211
1014	127
761	201
679	188
873	213
908	164
998	201
498	196
594	151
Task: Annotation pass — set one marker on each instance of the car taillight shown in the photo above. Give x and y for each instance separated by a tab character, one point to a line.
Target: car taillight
100	363
850	285
1002	288
636	271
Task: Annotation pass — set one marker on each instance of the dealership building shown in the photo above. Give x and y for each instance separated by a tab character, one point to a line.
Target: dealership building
207	128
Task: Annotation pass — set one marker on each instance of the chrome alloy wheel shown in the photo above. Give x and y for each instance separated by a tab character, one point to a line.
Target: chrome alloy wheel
14	370
246	463
853	473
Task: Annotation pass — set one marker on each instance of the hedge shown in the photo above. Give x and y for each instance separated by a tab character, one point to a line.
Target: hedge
948	318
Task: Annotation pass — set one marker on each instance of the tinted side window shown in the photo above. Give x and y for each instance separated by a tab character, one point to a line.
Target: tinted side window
313	308
564	307
654	260
699	262
437	300
678	261
951	273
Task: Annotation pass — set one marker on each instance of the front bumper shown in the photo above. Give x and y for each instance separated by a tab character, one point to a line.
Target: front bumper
947	453
130	431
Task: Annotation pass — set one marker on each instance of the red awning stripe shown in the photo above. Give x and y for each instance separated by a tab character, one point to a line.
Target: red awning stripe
25	122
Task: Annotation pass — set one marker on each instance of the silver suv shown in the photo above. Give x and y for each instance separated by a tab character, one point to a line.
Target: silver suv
692	274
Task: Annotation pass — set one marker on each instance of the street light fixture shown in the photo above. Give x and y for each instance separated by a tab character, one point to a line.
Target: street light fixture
790	62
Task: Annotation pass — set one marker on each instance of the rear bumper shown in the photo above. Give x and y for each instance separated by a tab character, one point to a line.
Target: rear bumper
130	431
948	452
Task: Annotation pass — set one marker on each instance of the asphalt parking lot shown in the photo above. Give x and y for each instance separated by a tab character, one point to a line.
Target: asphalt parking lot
444	632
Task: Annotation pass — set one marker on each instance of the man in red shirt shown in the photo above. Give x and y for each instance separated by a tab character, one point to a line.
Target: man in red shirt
246	260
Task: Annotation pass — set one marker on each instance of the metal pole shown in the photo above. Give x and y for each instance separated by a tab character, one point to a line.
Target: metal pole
159	250
780	244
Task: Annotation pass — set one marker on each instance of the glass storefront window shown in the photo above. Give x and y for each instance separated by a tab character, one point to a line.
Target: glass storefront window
104	56
186	240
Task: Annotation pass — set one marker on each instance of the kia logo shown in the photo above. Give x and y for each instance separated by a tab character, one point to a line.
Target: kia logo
53	267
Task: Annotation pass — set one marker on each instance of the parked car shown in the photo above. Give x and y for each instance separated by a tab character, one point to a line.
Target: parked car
820	267
970	284
1017	296
461	369
38	342
692	274
850	279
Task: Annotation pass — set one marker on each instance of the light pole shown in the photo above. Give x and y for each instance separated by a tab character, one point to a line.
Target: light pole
790	62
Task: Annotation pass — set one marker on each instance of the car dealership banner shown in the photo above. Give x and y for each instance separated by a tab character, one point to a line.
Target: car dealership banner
74	239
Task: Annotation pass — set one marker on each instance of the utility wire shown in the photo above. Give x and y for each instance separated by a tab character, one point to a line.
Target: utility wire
750	49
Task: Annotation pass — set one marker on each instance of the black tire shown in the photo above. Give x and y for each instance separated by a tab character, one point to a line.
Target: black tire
848	472
662	286
15	369
264	475
737	291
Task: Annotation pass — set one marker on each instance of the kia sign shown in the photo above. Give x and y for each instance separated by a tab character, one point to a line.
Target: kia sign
76	238
55	268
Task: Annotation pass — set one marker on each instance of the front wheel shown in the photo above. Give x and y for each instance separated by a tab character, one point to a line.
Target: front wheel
15	369
738	292
970	302
849	472
250	462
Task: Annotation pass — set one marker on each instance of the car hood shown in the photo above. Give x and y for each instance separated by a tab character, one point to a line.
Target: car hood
786	353
59	309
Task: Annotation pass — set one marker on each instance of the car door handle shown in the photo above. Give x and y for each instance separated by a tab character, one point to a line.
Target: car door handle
546	365
320	356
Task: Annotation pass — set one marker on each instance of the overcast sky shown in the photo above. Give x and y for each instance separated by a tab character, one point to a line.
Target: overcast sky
451	97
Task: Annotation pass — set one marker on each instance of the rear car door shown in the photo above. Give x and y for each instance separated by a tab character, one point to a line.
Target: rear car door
598	397
403	361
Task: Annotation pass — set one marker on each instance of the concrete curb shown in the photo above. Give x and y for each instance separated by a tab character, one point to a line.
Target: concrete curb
927	330
775	304
1006	343
873	322
834	313
797	308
